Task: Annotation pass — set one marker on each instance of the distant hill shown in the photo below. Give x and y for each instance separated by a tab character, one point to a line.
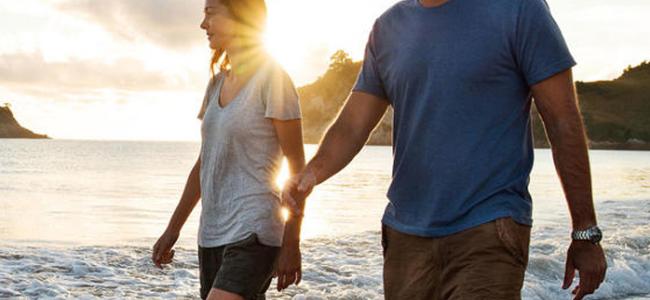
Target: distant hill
9	127
616	112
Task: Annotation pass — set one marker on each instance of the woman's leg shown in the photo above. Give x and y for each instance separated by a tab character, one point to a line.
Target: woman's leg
217	294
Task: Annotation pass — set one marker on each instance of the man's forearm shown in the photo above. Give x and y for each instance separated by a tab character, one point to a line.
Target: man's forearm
337	149
345	138
557	103
570	154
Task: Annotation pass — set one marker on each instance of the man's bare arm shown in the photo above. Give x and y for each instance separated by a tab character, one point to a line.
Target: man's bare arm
557	103
345	138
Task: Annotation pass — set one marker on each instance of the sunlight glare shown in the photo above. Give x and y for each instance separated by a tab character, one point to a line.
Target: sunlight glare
280	46
283	175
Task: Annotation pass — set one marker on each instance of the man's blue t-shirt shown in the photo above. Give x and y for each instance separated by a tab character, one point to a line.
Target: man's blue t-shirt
458	77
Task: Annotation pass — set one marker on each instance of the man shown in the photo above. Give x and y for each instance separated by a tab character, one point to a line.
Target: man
460	75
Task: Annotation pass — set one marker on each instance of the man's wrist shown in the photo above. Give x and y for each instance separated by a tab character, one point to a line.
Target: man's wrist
311	172
584	225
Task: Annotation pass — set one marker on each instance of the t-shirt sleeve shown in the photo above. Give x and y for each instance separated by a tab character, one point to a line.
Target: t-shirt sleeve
369	80
206	99
541	50
280	96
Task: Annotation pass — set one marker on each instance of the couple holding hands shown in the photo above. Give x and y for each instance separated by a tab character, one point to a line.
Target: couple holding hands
461	76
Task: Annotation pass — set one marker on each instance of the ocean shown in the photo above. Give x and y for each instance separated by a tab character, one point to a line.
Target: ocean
78	219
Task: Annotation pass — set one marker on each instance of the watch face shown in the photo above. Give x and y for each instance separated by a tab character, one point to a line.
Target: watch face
596	235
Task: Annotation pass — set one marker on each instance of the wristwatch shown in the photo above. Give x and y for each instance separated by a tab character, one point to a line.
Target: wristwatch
592	234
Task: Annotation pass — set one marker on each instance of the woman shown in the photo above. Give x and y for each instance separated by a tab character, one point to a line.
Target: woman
250	118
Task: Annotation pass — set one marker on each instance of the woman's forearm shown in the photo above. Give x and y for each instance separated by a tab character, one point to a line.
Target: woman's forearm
191	196
290	139
294	223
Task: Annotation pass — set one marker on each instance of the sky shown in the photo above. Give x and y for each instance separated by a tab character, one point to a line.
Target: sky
137	69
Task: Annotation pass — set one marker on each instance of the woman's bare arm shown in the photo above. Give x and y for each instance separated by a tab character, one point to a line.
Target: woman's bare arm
191	196
162	251
289	264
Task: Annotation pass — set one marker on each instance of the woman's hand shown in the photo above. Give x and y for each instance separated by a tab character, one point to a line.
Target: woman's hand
289	266
163	253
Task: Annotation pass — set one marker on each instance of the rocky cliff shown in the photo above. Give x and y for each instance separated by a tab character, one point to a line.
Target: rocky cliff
10	128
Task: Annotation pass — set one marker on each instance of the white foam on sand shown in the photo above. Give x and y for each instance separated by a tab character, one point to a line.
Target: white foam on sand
346	267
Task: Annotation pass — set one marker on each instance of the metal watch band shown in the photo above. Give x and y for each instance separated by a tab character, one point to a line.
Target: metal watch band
592	234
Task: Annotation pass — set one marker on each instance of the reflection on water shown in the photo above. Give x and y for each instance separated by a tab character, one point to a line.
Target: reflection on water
107	193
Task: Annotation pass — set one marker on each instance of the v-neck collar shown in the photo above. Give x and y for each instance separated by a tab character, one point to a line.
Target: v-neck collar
239	93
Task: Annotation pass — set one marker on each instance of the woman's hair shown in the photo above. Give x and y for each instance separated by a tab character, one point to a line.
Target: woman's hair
250	17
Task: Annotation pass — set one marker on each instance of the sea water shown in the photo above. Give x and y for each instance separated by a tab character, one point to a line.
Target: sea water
78	219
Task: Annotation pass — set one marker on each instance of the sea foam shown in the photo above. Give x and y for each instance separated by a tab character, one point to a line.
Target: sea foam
341	267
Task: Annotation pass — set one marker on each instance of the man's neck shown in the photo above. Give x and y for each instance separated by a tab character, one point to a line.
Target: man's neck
432	3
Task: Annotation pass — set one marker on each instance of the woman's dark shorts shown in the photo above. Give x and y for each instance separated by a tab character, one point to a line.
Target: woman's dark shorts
244	268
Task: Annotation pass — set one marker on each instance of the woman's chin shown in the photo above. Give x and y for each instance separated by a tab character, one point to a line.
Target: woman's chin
214	45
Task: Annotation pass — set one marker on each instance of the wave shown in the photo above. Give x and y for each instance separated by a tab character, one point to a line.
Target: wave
344	267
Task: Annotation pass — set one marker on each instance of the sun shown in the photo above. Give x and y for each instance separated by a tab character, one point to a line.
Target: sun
281	46
284	39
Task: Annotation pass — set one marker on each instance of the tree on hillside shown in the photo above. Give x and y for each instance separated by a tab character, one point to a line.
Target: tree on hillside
339	61
641	70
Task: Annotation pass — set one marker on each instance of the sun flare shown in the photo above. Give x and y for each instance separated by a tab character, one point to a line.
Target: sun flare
279	45
288	36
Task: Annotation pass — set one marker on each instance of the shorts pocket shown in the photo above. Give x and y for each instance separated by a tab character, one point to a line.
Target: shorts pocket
515	238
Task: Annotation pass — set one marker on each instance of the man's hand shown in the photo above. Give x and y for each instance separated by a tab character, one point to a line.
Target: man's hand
298	188
289	267
589	260
163	253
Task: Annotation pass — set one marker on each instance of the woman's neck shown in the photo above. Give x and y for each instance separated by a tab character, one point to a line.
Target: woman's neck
244	60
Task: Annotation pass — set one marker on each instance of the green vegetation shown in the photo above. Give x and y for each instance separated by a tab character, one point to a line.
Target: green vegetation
322	100
616	112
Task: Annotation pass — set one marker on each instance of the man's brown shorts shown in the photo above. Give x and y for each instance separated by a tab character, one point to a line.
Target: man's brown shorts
485	262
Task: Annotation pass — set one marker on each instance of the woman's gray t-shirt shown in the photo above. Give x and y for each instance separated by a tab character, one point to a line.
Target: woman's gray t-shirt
241	158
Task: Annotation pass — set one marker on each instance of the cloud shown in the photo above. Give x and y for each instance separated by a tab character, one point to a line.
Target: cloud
32	72
170	23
